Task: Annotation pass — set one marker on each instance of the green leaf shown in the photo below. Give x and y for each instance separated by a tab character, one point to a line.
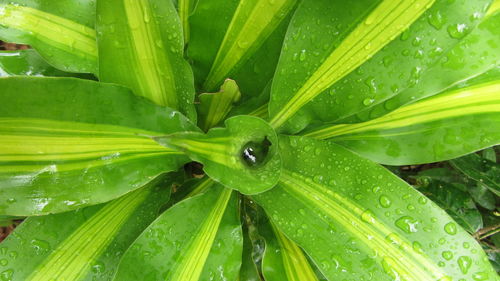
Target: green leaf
7	220
185	9
61	31
214	107
480	169
456	201
239	40
141	47
438	128
358	221
248	271
30	63
476	54
197	239
356	54
243	156
85	244
67	143
283	259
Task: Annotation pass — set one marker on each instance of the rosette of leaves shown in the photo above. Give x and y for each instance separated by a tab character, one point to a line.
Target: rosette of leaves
291	107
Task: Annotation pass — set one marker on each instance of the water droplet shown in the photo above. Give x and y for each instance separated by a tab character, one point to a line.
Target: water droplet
450	228
422	200
447	255
417	247
302	211
407	224
40	246
7	275
479	276
385	201
302	55
255	154
457	31
436	20
464	263
368	216
98	267
4	262
368	101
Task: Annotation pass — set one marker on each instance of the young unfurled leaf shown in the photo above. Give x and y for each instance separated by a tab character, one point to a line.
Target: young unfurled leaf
358	221
86	244
237	39
192	240
438	128
243	156
214	107
61	31
141	47
68	143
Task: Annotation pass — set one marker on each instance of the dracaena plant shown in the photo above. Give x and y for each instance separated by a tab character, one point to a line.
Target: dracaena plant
292	107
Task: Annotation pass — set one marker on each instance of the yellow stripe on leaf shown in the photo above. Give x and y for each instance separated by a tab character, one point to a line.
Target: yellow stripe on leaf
297	267
26	143
478	99
195	256
154	76
389	19
409	265
59	32
71	259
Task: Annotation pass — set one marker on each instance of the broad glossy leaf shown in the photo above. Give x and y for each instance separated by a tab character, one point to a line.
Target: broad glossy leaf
30	63
85	244
360	53
239	40
141	47
67	143
243	156
358	221
480	169
197	239
61	31
476	53
438	128
283	259
214	107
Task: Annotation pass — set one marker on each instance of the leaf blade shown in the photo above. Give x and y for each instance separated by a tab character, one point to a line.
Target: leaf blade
200	255
67	43
450	117
55	160
342	204
133	30
373	81
83	244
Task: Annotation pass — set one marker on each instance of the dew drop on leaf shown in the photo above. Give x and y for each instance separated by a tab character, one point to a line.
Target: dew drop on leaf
450	228
407	224
385	201
255	154
464	263
447	255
